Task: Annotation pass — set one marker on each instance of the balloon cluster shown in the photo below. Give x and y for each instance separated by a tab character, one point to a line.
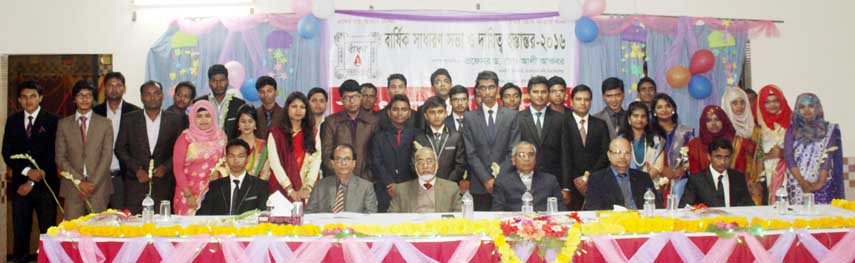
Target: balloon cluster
586	29
699	85
311	12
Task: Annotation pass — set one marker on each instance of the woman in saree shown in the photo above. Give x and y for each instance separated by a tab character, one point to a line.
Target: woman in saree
736	104
812	149
773	117
647	146
676	136
294	151
256	163
197	152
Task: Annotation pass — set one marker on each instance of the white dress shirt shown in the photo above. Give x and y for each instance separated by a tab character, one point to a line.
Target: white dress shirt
486	110
535	117
116	118
152	129
432	182
27	115
579	120
527	179
724	182
456	122
233	186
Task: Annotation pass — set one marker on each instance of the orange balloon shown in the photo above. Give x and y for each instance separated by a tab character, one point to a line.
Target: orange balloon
678	76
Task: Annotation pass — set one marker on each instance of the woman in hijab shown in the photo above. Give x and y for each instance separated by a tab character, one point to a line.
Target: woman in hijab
294	151
197	152
736	104
773	116
713	125
812	150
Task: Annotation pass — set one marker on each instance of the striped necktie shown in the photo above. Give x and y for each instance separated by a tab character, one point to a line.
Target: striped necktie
339	200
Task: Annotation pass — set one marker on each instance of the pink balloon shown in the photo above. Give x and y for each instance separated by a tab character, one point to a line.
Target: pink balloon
702	61
593	8
302	7
237	73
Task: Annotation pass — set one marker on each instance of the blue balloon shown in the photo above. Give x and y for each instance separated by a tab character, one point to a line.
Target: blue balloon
586	29
308	26
248	90
700	87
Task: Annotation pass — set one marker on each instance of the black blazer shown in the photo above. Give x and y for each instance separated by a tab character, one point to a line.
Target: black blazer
40	145
253	194
231	116
101	109
451	124
481	153
701	189
391	164
509	189
552	145
416	120
452	153
592	156
604	191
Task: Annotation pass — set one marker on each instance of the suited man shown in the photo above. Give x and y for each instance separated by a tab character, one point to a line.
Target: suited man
440	85
84	148
145	135
391	151
396	84
613	113
440	138
489	134
510	187
343	192
114	108
618	184
339	129
239	192
718	186
589	142
558	96
428	193
546	129
459	99
31	131
270	114
226	104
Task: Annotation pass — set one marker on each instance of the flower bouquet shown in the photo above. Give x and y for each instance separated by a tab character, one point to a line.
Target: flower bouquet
726	230
544	231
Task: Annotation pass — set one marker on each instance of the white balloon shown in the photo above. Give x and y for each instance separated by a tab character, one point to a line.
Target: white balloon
570	9
323	8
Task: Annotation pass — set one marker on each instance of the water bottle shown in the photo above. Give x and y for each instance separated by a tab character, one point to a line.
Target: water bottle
649	203
781	200
148	209
468	206
527	200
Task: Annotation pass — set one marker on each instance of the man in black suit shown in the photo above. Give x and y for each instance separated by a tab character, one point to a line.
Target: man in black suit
440	85
718	186
489	134
114	108
459	98
547	130
239	192
31	131
618	184
447	143
589	142
510	187
396	84
558	95
136	147
226	104
391	151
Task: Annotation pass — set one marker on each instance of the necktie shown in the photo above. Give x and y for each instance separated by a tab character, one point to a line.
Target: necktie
29	127
428	186
235	200
625	191
719	191
339	199
83	128
398	137
583	132
269	117
491	127
460	124
538	124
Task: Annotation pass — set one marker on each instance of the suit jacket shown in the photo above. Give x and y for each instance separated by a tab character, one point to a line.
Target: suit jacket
417	119
589	157
253	193
482	153
450	123
276	119
613	127
552	145
359	196
701	189
391	163
133	152
231	119
604	190
452	153
101	109
336	130
446	196
97	154
40	145
509	189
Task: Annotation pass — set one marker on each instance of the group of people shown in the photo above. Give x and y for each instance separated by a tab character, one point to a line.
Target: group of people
216	154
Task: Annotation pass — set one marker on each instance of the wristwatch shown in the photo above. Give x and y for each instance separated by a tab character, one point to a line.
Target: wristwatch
31	183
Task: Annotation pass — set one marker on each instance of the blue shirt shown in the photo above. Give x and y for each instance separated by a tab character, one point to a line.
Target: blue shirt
618	178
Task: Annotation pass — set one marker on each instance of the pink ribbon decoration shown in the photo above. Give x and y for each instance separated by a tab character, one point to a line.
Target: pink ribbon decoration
649	251
523	250
609	248
232	250
781	246
466	250
842	251
279	252
757	249
54	251
131	250
89	251
816	249
186	251
314	251
720	251
163	246
409	252
687	250
358	251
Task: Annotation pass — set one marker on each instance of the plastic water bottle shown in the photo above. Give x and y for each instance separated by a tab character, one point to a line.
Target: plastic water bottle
148	209
468	206
649	203
527	203
781	200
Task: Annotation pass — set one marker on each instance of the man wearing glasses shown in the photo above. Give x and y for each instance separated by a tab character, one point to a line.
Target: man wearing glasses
352	126
618	184
428	193
343	192
510	187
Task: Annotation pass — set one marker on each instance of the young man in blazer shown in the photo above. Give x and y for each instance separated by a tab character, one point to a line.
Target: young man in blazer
343	192
510	187
718	186
589	142
113	109
352	126
459	99
546	129
239	192
613	113
447	143
226	104
391	151
618	184
84	148
428	193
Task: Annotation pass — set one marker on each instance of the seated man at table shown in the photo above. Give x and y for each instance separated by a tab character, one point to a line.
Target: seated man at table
717	185
344	192
237	193
510	187
618	184
428	193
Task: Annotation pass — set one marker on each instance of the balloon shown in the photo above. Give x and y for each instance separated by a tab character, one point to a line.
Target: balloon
678	76
308	26
586	29
248	90
570	9
236	73
302	7
323	8
593	7
700	87
702	61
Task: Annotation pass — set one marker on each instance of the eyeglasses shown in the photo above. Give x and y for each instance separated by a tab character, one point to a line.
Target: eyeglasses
525	155
625	153
425	162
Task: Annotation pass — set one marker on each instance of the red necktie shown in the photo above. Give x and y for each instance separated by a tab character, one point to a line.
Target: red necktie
428	186
583	132
83	128
30	127
399	137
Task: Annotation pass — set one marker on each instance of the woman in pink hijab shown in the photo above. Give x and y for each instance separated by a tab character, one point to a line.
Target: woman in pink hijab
196	155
